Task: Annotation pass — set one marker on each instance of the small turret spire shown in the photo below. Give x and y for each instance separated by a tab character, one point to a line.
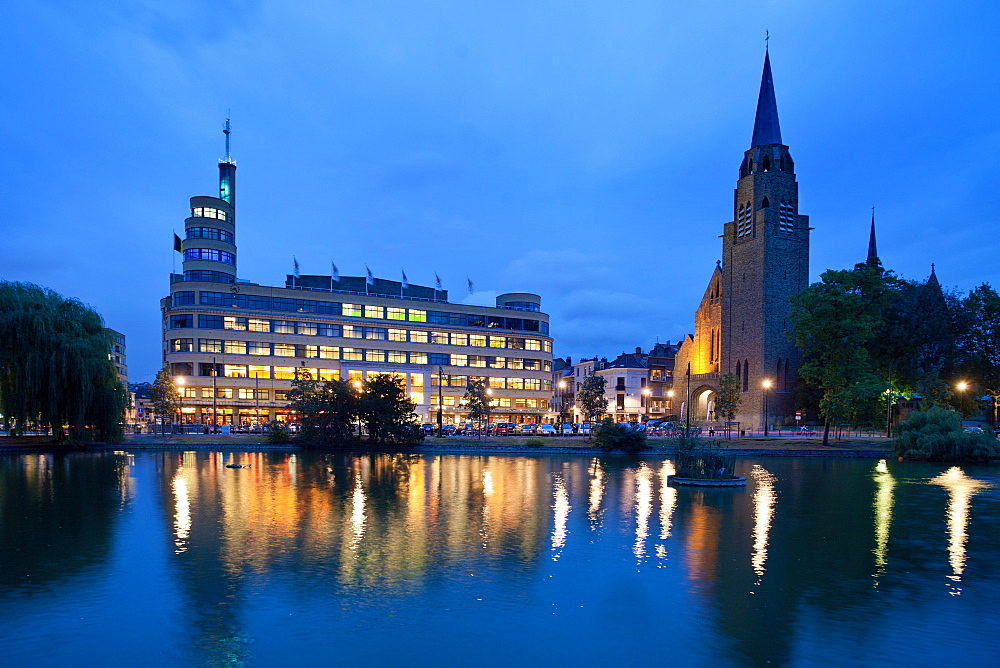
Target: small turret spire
765	126
872	248
226	131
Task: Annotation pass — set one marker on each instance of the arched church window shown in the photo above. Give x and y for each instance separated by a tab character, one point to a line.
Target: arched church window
746	375
766	203
767	163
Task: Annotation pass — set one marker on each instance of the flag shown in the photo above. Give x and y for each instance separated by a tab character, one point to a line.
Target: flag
406	283
295	265
437	281
369	280
334	272
177	244
469	281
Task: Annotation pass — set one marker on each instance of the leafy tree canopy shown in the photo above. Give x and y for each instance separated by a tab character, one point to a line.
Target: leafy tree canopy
590	398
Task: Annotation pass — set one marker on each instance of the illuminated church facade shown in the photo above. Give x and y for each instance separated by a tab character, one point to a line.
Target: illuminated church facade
743	322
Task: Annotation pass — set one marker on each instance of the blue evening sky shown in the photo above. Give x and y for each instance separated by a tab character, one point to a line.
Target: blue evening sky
585	151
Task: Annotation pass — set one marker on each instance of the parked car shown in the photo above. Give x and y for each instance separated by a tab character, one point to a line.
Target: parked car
428	429
526	429
567	428
587	427
547	430
502	428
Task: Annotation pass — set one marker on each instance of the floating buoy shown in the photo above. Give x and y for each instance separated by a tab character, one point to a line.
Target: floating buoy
234	466
900	458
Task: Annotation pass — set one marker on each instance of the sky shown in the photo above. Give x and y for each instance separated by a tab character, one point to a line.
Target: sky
583	151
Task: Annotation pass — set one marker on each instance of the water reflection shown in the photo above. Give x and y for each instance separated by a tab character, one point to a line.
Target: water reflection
764	498
960	488
882	506
388	551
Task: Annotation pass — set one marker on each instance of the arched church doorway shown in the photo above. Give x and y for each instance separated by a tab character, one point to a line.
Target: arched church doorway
703	404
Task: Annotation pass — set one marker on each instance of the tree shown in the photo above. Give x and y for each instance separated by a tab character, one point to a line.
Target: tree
477	401
387	412
55	368
937	435
328	410
837	324
591	400
728	400
166	399
980	342
614	436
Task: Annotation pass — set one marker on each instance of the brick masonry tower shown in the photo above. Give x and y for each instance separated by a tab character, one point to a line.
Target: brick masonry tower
765	252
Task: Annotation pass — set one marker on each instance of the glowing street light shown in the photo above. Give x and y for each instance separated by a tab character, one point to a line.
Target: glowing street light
767	386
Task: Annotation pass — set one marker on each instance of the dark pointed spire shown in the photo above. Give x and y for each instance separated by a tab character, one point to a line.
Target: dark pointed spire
933	280
872	248
765	125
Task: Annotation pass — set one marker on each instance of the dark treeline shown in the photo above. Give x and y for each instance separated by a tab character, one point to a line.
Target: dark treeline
55	367
868	337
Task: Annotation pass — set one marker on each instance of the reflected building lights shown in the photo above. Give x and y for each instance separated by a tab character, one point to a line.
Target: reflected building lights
764	498
488	491
357	512
182	512
960	490
560	514
882	504
643	508
668	499
596	493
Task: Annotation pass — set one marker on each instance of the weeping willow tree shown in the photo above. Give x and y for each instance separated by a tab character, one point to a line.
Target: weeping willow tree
55	367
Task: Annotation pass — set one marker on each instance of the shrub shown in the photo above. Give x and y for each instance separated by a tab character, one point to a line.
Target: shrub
936	435
278	433
534	443
614	436
705	466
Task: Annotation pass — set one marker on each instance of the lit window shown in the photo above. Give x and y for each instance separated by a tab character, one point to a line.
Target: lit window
182	345
477	340
532	344
418	358
307	328
257	371
353	331
515	363
498	383
498	362
258	348
477	360
374	355
439	338
311	352
257	325
417	315
284	350
284	373
459	339
418	336
396	313
351	354
498	341
374	311
416	380
353	310
397	357
515	383
547	346
417	397
459	360
236	370
329	352
397	335
210	345
515	343
236	347
329	374
234	323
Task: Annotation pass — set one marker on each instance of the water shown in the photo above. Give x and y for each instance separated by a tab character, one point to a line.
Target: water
169	558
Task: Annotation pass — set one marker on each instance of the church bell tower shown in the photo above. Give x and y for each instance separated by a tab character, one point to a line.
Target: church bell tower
765	250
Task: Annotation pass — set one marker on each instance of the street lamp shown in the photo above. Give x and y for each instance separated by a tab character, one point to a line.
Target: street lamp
767	386
179	381
440	402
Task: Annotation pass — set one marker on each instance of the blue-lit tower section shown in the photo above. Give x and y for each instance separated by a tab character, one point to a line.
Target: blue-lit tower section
210	231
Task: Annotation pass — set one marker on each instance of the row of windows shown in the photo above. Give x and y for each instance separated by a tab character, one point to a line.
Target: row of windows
266	303
210	254
220	347
208	212
209	233
416	380
241	324
208	276
449	401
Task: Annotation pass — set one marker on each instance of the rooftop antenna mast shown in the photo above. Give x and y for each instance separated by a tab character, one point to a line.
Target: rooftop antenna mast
226	130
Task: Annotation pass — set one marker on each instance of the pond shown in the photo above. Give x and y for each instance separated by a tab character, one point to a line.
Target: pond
169	557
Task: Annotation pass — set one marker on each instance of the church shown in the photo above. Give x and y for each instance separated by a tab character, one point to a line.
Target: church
743	322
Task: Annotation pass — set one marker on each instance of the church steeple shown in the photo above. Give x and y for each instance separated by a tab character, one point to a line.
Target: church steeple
872	260
765	125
